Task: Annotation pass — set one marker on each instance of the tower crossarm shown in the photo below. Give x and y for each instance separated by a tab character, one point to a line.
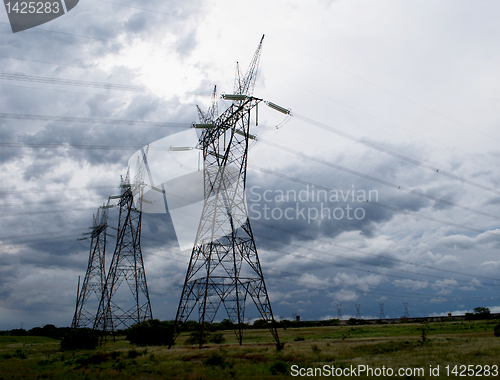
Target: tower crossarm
227	120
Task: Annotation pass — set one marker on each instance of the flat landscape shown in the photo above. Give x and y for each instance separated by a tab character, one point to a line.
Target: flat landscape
408	347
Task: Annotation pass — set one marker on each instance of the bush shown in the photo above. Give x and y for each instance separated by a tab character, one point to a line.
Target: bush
194	337
215	360
86	360
278	368
80	339
260	324
18	332
151	333
132	354
496	330
217	338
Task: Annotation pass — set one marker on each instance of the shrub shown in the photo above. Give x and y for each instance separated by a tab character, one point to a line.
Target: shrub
260	324
315	349
194	337
80	339
215	360
18	332
278	367
151	333
496	330
299	339
132	354
86	360
217	338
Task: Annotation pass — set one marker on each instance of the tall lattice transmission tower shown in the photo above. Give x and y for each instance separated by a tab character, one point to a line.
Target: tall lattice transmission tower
339	311
382	314
95	276
127	263
358	312
406	314
224	268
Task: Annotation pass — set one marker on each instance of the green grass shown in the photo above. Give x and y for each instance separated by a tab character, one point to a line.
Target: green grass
394	345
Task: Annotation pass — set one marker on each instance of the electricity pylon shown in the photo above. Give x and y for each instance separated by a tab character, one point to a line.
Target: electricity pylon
224	267
358	313
96	272
406	314
339	311
382	314
127	263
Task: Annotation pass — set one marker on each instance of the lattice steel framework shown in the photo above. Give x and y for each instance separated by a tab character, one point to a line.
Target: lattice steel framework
339	311
224	268
358	312
406	314
127	263
96	273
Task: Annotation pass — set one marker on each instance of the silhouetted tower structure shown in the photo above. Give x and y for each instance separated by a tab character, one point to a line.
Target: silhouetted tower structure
406	314
358	313
339	311
382	314
224	268
127	263
95	276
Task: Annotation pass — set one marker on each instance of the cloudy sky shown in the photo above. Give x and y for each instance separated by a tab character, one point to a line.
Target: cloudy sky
394	99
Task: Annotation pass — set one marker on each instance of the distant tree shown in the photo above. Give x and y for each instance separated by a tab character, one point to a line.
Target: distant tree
36	331
260	324
50	331
482	310
226	324
151	333
190	326
80	339
18	332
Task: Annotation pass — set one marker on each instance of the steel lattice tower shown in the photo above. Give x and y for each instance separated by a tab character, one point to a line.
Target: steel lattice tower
224	267
406	314
358	313
339	311
127	263
96	272
382	314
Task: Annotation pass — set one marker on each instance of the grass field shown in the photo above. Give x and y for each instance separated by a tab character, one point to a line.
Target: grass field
393	346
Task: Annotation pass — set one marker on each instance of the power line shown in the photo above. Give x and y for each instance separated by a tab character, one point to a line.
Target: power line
42	30
374	179
71	82
144	9
294	233
357	261
69	119
45	212
79	146
394	154
388	91
37	191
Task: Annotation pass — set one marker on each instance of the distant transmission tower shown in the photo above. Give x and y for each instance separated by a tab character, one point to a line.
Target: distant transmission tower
224	267
358	313
406	315
127	263
382	314
339	311
96	273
